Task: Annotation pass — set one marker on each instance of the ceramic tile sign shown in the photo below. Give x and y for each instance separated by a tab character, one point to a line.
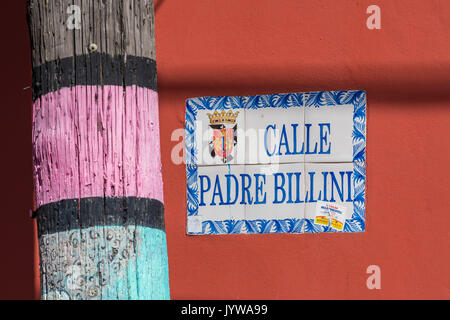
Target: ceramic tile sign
281	163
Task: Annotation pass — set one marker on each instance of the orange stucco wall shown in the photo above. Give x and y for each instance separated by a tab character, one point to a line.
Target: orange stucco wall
242	47
238	47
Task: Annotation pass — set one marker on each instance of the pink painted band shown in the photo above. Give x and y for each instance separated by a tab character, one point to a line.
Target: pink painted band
91	141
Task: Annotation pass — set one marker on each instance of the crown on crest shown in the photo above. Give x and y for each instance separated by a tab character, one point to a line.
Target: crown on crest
223	117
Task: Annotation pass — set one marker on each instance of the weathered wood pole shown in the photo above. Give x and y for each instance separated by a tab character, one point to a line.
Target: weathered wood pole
96	150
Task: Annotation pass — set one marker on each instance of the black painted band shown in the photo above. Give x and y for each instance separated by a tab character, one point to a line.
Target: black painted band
94	69
66	215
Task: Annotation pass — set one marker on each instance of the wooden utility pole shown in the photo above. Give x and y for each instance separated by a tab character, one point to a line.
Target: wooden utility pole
96	150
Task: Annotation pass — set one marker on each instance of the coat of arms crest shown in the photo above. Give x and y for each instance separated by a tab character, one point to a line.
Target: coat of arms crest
224	134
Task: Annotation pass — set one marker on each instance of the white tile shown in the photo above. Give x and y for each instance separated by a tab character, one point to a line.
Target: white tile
331	183
283	195
219	192
194	224
209	148
328	133
274	135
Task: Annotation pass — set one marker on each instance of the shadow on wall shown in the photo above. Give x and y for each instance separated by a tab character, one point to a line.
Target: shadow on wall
403	84
158	4
17	235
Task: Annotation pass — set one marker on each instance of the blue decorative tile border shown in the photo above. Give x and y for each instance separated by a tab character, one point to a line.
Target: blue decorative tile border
308	100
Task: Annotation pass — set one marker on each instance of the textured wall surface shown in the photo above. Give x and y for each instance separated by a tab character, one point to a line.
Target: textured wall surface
236	47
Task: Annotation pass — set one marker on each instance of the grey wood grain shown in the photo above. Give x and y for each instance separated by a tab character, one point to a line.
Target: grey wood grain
123	27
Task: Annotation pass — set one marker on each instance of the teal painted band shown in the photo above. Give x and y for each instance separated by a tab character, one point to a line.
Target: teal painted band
120	263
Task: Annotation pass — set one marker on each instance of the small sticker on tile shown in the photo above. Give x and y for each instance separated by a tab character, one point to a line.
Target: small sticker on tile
330	214
194	224
338	217
322	217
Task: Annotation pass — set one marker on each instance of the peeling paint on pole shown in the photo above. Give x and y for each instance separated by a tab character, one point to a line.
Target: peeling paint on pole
96	151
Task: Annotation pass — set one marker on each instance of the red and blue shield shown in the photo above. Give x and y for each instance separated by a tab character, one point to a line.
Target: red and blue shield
223	142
